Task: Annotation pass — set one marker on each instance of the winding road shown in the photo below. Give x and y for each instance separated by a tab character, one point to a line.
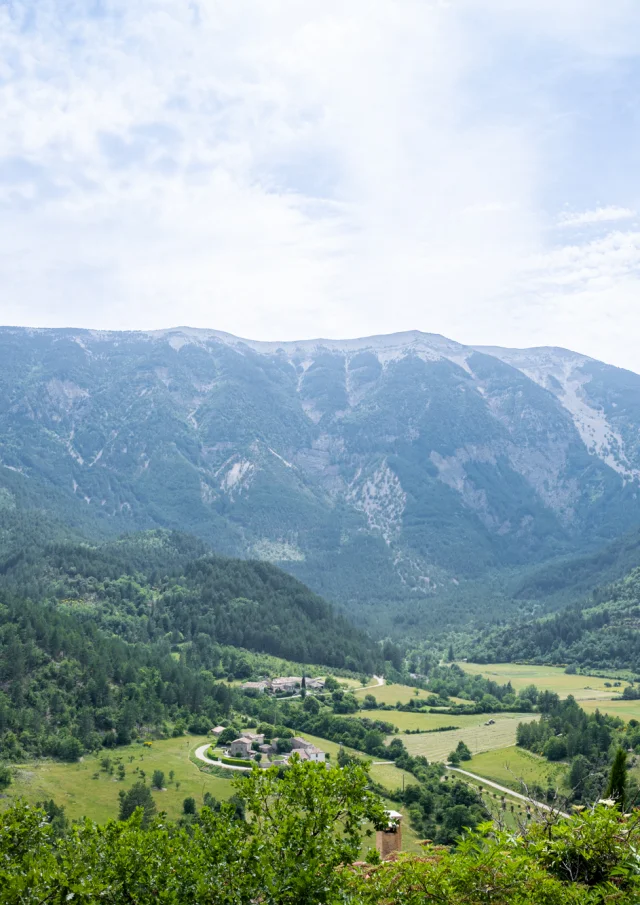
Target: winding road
201	754
506	791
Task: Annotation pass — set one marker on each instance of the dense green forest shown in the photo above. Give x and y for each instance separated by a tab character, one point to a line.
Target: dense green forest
105	642
163	586
602	633
300	843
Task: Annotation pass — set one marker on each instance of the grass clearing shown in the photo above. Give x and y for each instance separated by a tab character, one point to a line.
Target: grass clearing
551	678
391	694
512	766
405	719
626	710
73	786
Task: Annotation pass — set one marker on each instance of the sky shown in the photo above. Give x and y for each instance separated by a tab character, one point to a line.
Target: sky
293	169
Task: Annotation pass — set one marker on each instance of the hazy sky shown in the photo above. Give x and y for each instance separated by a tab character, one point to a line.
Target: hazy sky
285	169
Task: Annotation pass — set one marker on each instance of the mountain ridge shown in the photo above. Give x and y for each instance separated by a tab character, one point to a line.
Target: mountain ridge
377	469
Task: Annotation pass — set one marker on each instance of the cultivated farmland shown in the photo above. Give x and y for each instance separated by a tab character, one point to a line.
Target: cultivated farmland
552	678
478	737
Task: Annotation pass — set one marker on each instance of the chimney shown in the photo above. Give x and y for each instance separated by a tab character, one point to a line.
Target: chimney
389	840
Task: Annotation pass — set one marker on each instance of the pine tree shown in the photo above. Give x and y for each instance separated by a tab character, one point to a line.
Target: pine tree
451	656
618	778
138	796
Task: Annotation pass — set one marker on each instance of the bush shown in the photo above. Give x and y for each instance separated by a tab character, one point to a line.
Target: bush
235	762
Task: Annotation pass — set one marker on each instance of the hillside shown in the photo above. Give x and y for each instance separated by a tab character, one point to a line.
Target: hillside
384	472
132	633
164	586
601	633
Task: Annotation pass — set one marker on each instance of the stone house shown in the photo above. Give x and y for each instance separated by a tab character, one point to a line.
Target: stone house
241	747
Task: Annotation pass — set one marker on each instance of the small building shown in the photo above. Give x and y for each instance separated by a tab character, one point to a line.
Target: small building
311	754
217	731
254	736
389	839
285	684
299	742
314	684
257	687
241	747
267	749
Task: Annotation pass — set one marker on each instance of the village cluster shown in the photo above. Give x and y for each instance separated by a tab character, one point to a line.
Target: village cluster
251	743
284	685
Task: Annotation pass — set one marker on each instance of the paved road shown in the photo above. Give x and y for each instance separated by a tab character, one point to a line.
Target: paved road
495	785
201	754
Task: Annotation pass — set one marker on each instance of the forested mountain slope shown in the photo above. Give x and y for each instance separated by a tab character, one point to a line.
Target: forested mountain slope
378	470
601	633
163	586
98	640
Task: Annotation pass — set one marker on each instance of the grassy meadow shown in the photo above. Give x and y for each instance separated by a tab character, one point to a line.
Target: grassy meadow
551	678
391	694
512	766
74	786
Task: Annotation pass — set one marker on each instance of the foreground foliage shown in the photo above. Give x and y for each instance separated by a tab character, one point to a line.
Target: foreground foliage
299	846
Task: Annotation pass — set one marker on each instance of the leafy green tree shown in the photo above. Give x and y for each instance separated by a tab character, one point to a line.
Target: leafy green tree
311	705
305	825
189	806
617	786
227	736
454	759
157	780
138	796
5	776
463	751
580	770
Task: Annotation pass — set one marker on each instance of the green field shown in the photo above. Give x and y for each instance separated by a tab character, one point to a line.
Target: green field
551	678
391	694
626	710
512	766
73	786
438	745
405	719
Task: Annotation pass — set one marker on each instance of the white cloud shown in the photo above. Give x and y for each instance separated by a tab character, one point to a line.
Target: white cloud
598	215
293	169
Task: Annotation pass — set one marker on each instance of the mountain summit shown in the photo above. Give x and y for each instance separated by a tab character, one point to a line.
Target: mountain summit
375	469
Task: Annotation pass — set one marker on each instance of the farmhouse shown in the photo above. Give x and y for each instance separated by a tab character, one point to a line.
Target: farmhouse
241	747
285	684
258	687
311	754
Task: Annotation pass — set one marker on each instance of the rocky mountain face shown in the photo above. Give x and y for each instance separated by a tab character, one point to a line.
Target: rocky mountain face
376	469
